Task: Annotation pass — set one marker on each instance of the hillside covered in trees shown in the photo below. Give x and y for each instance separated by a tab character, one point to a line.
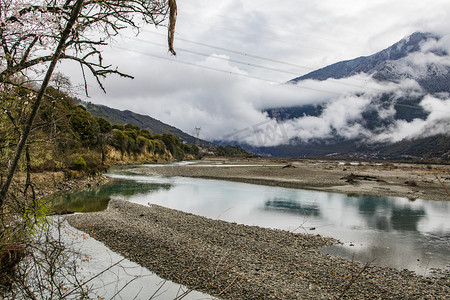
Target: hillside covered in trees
66	136
115	116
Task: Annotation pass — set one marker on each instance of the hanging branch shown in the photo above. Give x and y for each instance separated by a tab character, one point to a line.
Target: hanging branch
172	21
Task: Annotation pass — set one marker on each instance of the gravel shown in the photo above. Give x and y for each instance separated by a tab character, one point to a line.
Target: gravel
234	261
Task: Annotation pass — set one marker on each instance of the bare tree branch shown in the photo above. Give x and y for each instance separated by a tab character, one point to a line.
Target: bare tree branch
20	146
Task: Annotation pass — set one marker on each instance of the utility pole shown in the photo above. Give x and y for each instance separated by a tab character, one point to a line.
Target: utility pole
197	132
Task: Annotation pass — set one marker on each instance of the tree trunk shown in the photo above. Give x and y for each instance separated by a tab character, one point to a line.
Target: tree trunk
23	139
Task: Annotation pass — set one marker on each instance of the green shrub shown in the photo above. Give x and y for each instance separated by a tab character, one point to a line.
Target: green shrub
79	163
132	127
85	126
119	140
156	147
146	133
179	153
118	126
142	142
104	125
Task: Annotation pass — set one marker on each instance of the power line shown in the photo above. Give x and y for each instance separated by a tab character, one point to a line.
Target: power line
257	57
237	52
308	68
218	57
242	62
223	71
246	75
273	28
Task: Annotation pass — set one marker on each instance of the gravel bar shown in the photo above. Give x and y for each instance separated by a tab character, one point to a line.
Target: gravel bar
398	180
234	261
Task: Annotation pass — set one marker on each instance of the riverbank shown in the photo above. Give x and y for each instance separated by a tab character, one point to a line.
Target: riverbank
235	261
412	181
47	183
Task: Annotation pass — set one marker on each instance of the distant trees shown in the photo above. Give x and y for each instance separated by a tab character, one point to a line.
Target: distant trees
67	131
86	127
103	125
131	139
232	151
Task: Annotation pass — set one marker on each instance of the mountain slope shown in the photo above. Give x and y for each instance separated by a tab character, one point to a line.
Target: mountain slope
385	65
115	116
404	116
435	148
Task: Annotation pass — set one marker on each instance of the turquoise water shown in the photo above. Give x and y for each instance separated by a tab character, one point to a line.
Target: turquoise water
392	231
97	198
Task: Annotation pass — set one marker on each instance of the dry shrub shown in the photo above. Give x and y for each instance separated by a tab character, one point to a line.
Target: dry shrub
10	256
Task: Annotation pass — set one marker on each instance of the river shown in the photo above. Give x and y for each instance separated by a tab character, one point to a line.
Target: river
389	231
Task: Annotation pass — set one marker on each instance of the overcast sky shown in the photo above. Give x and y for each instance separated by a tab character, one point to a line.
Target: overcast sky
232	56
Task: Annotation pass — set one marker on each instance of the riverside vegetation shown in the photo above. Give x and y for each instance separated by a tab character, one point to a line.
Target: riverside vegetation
66	143
67	137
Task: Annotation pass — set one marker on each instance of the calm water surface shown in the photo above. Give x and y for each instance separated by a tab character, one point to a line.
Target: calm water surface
394	231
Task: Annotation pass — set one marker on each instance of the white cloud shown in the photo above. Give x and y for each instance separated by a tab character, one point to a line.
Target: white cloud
341	117
437	122
296	37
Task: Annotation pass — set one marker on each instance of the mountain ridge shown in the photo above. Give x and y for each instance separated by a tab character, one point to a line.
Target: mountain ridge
116	116
366	64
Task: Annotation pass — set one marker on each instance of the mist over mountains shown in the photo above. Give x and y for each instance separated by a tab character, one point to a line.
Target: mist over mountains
394	103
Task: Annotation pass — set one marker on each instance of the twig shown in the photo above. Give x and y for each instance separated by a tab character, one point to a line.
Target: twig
228	286
118	292
184	294
164	282
354	278
97	275
426	268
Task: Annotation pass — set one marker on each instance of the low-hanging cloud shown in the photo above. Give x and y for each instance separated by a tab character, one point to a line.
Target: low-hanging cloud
437	122
230	106
343	117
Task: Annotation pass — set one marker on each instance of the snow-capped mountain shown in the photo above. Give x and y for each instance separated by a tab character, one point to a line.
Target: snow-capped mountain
415	57
406	110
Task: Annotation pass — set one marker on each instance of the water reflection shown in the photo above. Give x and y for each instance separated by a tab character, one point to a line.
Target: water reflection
381	213
406	218
394	231
97	198
291	206
366	212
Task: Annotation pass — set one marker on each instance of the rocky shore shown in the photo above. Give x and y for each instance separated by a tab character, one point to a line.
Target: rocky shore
233	261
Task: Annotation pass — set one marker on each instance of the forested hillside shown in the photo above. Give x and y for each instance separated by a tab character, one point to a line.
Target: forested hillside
66	136
115	116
